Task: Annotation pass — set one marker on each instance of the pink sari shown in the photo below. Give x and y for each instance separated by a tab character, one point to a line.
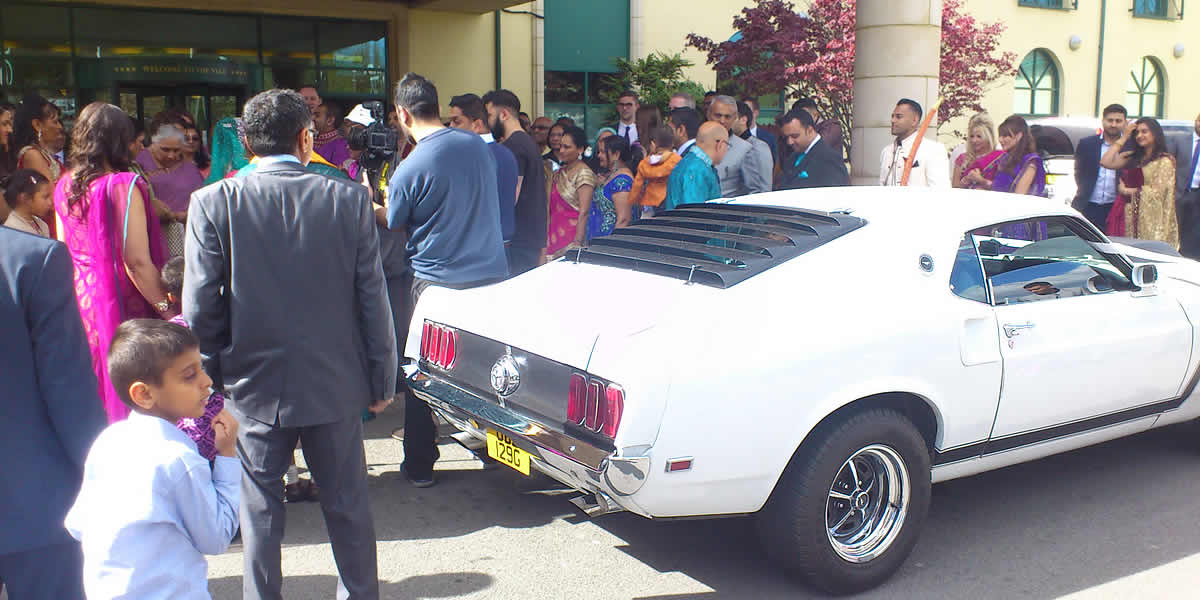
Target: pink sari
564	219
988	166
94	233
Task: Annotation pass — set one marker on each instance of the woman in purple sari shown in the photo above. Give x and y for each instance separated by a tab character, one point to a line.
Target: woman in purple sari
172	175
117	251
1022	171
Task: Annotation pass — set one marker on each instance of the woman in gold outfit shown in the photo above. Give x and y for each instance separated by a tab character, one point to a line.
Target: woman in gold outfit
1151	213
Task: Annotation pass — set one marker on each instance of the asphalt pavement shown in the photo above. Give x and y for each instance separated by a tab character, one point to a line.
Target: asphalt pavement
1112	521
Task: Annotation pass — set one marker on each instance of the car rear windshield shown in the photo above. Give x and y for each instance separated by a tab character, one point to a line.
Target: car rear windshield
719	245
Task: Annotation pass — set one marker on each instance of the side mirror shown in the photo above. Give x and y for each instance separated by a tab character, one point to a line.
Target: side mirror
1145	275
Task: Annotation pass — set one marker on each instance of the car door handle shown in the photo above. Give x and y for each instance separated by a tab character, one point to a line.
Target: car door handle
1014	329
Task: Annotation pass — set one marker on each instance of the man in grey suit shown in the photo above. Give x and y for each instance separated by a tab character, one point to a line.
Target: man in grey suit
52	415
746	168
285	290
1186	149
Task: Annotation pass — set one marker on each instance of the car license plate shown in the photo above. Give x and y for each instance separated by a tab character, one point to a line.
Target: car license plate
501	448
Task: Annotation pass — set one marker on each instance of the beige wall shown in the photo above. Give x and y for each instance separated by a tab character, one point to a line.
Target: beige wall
1127	40
665	25
455	50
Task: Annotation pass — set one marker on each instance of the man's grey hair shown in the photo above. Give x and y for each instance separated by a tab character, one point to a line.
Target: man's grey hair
723	99
166	132
688	100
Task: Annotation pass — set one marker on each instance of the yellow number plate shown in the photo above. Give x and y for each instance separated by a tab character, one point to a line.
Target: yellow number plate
501	448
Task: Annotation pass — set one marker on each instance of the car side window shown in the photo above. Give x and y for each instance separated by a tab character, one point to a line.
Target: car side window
1044	259
967	278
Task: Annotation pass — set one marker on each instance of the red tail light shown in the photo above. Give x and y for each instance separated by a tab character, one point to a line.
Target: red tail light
439	345
595	404
613	408
577	398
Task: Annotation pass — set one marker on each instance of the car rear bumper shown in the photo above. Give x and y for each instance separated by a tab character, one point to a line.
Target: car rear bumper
573	462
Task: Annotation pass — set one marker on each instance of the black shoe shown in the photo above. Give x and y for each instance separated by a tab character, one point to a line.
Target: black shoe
423	481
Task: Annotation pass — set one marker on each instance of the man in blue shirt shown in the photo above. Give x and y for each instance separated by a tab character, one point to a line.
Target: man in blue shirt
695	177
445	195
467	113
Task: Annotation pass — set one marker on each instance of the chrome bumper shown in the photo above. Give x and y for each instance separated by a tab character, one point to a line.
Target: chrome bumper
578	464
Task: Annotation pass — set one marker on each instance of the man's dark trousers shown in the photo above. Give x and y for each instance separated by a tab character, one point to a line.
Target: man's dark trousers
1188	212
1097	214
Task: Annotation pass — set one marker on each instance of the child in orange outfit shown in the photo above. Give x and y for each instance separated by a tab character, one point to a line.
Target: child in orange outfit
650	183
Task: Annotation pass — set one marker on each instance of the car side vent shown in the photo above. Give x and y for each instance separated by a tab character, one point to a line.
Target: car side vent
719	245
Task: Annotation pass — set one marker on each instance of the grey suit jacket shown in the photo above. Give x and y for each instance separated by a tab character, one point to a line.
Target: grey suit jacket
52	412
285	290
742	170
1181	147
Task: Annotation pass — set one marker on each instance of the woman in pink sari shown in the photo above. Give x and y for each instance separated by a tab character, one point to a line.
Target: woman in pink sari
117	251
982	160
571	190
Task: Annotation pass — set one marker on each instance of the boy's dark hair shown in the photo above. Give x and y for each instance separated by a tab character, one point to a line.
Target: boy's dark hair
662	137
1115	108
172	276
628	94
913	104
21	182
142	350
503	99
471	106
688	118
273	120
417	95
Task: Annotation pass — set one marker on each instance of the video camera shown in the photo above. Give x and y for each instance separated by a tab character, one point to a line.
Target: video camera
377	141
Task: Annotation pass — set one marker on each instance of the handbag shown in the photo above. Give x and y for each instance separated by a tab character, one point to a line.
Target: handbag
174	233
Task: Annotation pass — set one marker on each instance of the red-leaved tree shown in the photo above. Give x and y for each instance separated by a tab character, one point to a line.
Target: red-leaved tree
812	54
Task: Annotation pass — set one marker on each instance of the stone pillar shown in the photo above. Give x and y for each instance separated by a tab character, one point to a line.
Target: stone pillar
897	55
539	62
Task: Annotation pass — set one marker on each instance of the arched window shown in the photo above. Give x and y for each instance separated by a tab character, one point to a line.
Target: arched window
1147	87
1037	86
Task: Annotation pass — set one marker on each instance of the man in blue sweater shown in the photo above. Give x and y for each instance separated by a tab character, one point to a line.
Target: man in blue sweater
446	197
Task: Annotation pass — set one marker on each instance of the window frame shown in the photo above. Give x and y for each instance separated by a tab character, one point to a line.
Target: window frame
1158	79
1081	229
1034	80
1062	4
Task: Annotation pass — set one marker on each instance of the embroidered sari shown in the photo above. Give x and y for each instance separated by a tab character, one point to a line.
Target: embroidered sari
1151	214
988	166
94	234
173	185
564	205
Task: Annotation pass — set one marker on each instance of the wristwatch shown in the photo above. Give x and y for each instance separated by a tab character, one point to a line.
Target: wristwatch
162	306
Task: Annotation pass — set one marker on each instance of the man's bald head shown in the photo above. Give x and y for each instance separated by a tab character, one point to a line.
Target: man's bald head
713	139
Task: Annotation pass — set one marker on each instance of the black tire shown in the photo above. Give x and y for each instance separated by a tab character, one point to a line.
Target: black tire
793	524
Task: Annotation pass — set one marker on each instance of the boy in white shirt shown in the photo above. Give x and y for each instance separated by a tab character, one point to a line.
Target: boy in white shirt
151	506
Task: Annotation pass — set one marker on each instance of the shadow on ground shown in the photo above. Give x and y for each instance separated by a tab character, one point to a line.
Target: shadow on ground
1042	529
419	587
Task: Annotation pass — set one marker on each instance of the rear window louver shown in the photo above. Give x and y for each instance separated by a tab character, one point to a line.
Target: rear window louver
719	245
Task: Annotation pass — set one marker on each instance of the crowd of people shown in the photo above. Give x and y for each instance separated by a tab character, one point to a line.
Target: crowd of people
217	309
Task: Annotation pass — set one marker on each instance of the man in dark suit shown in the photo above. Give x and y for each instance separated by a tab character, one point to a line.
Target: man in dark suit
1096	187
760	133
811	163
285	290
52	414
1187	191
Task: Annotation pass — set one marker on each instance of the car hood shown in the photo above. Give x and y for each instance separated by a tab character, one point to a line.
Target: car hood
559	310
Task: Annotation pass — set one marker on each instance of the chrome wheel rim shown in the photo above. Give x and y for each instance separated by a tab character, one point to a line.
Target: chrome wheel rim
867	503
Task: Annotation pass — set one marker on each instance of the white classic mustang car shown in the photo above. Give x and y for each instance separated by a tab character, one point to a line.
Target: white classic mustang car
816	358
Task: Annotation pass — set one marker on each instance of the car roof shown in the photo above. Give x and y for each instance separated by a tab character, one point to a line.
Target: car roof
911	208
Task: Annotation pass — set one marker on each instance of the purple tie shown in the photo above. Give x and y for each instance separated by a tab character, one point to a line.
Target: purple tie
1195	159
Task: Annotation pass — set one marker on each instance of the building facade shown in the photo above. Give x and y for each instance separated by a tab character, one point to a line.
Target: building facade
1076	56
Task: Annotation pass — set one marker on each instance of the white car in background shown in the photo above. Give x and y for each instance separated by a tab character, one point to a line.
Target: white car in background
815	358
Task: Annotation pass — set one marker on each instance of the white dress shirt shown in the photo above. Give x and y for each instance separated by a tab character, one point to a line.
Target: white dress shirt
930	169
684	147
1105	191
631	128
1196	173
150	507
